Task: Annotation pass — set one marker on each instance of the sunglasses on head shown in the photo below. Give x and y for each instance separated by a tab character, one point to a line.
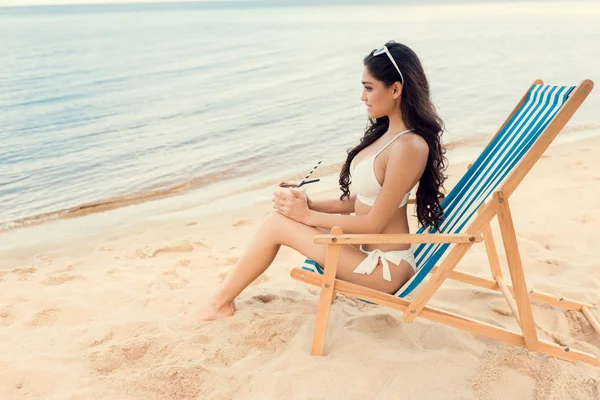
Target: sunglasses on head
383	49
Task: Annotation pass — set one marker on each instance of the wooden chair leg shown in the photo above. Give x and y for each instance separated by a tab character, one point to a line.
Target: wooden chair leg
490	247
516	272
590	317
327	295
492	253
509	298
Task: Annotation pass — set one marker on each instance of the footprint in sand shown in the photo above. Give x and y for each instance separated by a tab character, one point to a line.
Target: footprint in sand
243	222
115	357
7	317
382	326
60	279
113	272
182	381
60	276
104	363
270	334
200	243
579	327
177	248
265	298
173	280
555	266
276	303
44	258
222	275
184	262
108	248
147	252
586	219
47	317
230	261
24	273
111	249
134	353
106	338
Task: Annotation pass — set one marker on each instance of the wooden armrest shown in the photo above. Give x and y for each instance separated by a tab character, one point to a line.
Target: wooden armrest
414	201
402	238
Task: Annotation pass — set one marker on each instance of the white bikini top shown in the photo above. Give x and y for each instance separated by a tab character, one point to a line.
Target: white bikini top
365	183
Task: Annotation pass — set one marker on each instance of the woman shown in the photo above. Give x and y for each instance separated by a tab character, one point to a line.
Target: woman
400	148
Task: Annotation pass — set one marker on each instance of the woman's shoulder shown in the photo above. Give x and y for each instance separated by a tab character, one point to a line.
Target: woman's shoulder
410	142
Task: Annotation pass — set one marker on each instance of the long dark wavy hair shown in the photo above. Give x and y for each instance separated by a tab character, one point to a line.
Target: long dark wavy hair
419	114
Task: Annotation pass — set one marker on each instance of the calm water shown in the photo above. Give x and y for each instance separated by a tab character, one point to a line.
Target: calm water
100	102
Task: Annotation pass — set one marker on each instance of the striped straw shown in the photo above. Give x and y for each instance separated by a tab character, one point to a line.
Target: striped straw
309	174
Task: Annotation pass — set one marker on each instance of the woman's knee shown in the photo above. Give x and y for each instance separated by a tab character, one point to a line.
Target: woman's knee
280	229
273	224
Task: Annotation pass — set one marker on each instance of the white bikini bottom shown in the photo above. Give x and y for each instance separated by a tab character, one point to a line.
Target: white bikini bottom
368	265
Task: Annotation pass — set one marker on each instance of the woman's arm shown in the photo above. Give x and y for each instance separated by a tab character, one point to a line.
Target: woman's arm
333	206
405	165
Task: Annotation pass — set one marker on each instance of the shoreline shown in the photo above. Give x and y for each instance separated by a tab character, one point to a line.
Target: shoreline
149	213
459	151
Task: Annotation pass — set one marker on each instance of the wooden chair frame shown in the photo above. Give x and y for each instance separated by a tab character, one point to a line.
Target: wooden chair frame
517	295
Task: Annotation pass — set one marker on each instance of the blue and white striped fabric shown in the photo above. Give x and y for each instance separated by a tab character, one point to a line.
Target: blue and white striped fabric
310	265
485	175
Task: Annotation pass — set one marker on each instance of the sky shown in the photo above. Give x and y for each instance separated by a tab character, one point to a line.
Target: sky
7	3
11	3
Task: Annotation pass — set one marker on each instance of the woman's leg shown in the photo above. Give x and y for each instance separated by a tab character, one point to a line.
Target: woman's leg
278	230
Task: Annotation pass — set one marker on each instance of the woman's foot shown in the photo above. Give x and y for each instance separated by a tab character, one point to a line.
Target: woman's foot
210	312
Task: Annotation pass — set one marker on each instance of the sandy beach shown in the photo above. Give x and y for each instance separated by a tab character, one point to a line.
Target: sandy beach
95	316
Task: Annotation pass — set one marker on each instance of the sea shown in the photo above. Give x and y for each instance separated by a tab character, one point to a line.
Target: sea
107	105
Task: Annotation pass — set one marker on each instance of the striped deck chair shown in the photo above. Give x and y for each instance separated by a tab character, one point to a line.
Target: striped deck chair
482	194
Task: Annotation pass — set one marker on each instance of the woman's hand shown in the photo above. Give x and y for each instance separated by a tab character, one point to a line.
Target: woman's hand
293	205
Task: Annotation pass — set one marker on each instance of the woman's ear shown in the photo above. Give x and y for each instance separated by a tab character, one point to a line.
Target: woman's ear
397	90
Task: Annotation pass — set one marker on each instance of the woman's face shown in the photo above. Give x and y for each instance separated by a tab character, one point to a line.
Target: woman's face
380	100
